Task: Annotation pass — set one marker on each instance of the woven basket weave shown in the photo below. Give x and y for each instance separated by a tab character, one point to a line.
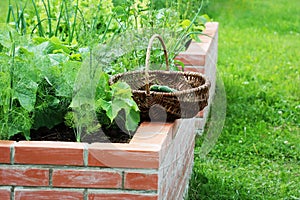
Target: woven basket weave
190	97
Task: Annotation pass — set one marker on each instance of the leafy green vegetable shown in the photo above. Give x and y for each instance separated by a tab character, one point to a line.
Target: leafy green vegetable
121	100
36	86
25	92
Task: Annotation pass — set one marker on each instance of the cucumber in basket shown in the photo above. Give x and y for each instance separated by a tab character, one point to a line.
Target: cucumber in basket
162	88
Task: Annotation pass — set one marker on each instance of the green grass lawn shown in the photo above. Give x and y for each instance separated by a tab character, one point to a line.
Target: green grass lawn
3	10
258	153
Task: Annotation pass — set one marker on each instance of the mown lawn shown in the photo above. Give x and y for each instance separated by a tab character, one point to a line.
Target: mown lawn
3	10
258	153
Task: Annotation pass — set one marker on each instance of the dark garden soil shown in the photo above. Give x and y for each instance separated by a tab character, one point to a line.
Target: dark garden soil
65	134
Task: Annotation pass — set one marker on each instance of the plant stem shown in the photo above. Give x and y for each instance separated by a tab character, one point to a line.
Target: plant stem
12	68
10	10
67	20
74	24
47	9
59	18
40	27
106	29
21	23
83	20
95	19
49	19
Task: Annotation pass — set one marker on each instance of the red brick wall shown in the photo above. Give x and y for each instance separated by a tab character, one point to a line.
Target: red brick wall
146	168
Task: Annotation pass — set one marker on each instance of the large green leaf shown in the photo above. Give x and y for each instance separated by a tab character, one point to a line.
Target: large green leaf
132	120
50	46
121	90
112	109
58	58
105	105
25	92
121	101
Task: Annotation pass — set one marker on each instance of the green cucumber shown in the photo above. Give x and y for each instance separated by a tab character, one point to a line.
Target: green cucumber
161	88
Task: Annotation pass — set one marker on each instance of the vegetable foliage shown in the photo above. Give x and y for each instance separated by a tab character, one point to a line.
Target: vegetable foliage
57	57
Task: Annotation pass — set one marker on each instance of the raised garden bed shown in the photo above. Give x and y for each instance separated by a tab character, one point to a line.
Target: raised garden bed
155	164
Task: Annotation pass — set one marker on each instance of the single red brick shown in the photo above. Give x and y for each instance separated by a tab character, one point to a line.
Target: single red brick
211	28
150	139
5	194
52	153
205	38
153	133
86	178
123	196
192	58
5	151
141	181
24	176
123	155
34	194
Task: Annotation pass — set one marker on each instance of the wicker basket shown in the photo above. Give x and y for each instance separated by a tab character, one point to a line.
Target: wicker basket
190	97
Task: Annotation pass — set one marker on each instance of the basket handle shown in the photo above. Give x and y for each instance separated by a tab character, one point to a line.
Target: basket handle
148	58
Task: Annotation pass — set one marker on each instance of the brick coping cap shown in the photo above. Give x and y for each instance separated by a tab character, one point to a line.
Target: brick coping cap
146	131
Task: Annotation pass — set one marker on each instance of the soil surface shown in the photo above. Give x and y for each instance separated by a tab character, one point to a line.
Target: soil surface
65	134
